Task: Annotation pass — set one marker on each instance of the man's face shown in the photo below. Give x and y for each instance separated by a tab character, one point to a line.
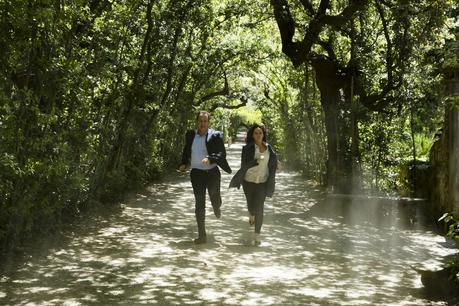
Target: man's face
203	124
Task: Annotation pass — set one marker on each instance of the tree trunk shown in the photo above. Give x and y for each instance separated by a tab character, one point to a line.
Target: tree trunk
355	150
330	84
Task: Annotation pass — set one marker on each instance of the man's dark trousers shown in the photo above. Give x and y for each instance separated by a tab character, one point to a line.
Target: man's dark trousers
202	180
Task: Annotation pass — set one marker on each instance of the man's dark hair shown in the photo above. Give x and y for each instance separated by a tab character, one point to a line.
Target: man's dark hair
249	138
203	113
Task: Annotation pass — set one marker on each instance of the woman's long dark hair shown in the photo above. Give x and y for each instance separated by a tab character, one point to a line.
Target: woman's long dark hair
249	138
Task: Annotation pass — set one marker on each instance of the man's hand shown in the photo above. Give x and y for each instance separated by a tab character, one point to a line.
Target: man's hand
206	161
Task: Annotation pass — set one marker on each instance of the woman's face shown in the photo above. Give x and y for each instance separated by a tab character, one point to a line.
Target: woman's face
258	135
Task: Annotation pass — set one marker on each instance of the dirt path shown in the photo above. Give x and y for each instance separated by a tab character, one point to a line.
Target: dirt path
144	254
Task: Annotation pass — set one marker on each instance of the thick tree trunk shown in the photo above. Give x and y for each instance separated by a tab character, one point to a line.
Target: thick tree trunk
444	156
454	157
331	117
453	141
330	84
355	150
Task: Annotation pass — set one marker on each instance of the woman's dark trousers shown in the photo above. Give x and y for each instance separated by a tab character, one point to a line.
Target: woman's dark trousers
202	180
255	195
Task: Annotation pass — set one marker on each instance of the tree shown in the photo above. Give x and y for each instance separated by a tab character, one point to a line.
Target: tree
360	51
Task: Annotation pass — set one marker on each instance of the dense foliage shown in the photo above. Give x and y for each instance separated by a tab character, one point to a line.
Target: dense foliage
367	57
95	96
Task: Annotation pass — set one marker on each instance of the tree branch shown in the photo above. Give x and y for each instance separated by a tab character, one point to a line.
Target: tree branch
242	98
324	4
327	45
338	21
389	56
223	92
299	52
308	7
286	26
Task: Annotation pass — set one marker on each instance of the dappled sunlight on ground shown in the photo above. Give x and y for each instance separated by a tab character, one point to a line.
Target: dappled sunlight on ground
314	251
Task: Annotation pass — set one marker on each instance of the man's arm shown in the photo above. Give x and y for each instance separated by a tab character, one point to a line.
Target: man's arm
218	146
272	174
186	154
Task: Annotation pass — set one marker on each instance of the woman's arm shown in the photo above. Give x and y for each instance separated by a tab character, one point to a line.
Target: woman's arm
247	157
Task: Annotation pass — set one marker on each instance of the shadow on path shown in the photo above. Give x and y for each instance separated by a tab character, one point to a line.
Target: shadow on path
312	253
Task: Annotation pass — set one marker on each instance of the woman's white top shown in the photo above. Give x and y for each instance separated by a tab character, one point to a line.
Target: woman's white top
259	174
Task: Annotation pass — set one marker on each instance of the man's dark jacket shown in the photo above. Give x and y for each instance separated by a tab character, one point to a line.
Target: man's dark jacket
215	148
248	161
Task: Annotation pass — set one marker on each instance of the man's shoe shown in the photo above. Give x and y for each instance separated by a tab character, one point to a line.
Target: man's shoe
200	240
217	212
256	239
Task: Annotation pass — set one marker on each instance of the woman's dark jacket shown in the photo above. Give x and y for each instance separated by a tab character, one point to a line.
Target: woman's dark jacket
248	161
215	148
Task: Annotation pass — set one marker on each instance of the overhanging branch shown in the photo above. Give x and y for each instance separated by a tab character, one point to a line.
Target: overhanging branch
242	98
299	52
223	92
